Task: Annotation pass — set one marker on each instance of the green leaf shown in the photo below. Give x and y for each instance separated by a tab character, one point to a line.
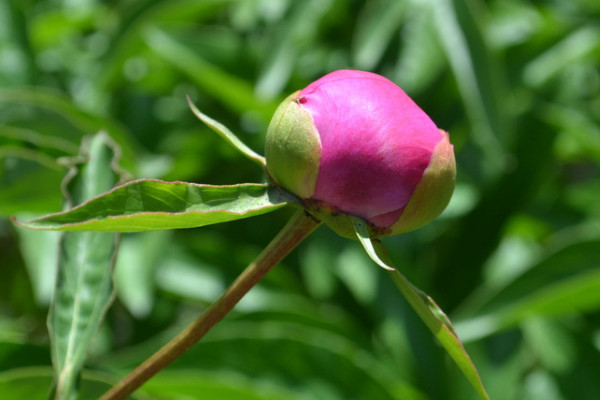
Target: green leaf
296	36
421	59
473	68
198	385
229	136
40	251
425	307
232	91
84	287
362	231
578	45
84	122
564	282
149	204
373	35
26	184
246	345
135	272
32	384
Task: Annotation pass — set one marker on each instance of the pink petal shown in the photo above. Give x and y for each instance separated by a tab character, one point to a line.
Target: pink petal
376	144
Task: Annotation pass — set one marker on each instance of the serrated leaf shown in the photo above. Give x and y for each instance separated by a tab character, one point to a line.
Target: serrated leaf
425	307
149	204
84	287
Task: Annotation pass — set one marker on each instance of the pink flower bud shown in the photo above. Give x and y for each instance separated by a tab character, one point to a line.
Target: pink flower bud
353	143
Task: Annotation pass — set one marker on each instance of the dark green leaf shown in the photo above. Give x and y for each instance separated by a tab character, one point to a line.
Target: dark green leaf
85	122
425	307
473	68
84	287
232	91
563	283
33	383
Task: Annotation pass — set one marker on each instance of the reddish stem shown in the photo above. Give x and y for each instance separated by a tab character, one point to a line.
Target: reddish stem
300	226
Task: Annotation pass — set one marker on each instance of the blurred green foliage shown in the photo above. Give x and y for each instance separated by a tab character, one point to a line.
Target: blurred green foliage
515	259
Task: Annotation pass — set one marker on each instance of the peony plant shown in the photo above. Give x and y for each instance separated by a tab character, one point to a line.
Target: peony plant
351	150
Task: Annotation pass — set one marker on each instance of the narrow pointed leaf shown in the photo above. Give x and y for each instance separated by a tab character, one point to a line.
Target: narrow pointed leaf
84	286
229	136
472	65
235	93
150	204
83	122
429	312
362	233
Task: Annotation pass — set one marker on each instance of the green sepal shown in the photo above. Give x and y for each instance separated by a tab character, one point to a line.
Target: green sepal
293	148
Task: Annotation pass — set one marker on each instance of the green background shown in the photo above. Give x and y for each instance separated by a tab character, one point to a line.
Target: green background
514	260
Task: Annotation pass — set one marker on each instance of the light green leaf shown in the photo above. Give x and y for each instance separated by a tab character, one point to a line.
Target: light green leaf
229	136
470	60
197	385
139	256
296	36
40	251
149	204
84	287
83	121
32	383
578	45
564	282
421	58
234	92
425	307
379	23
26	184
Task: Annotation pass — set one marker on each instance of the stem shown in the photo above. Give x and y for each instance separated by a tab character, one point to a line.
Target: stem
300	226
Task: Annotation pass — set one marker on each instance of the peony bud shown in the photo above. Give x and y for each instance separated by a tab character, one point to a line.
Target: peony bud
353	143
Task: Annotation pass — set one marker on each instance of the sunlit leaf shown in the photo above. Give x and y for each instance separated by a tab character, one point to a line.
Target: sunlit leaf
421	59
563	283
578	45
469	59
149	204
200	385
381	20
